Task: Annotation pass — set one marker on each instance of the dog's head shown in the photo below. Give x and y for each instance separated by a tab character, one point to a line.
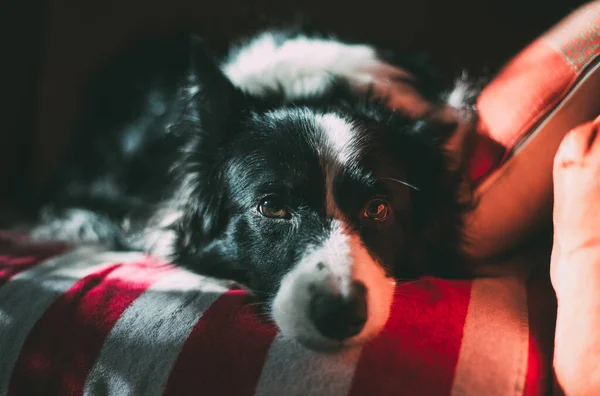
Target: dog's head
318	210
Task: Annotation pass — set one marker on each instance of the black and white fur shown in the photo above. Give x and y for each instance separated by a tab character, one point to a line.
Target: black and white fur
178	155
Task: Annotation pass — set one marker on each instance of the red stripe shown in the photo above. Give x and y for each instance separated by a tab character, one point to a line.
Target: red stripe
225	351
65	342
487	156
418	350
9	237
16	256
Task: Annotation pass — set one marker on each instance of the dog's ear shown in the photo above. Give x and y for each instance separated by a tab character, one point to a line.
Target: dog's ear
211	118
214	99
454	131
437	164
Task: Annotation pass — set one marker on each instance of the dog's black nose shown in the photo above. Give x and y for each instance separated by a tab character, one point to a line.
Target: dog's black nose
340	317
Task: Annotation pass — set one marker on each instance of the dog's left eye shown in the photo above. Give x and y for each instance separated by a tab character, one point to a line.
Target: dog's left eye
377	209
273	209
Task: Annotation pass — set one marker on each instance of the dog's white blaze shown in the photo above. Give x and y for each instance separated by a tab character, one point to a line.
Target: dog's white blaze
340	149
336	254
302	66
332	208
340	135
346	260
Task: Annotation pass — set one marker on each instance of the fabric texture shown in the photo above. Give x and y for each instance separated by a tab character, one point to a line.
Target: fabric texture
93	322
543	92
540	76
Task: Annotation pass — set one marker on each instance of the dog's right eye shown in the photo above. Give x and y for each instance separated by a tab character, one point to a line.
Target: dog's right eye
377	209
273	209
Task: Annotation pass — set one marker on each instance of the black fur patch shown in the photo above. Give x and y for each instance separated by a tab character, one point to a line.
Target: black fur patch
167	146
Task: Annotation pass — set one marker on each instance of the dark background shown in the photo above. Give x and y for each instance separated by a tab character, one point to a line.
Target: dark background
49	47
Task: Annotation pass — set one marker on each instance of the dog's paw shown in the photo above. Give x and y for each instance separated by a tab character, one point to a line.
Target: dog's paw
73	226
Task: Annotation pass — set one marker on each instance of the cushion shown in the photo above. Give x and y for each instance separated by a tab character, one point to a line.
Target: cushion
96	322
76	321
549	88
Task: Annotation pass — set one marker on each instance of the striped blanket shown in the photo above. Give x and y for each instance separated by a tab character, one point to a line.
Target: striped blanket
86	321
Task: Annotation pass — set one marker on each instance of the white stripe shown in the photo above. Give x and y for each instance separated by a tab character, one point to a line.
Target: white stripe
493	353
291	369
25	298
138	354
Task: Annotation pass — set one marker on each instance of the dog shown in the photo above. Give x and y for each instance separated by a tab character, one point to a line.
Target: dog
312	171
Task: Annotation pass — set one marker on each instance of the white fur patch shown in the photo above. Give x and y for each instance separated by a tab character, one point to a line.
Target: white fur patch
160	242
345	260
74	226
339	134
335	136
302	66
340	148
158	237
463	93
458	94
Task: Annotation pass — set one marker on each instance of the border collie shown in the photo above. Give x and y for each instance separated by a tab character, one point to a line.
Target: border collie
312	171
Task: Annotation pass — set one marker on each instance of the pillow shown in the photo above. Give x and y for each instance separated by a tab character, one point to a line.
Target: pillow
549	88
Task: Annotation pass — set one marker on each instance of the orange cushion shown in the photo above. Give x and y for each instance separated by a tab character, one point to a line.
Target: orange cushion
549	88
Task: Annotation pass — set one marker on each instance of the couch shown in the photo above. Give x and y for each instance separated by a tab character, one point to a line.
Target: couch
83	320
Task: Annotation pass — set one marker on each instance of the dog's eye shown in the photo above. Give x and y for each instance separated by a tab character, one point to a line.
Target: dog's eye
272	209
377	209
